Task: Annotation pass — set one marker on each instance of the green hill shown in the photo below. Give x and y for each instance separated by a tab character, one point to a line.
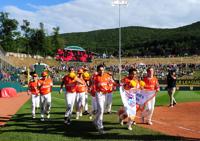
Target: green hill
140	41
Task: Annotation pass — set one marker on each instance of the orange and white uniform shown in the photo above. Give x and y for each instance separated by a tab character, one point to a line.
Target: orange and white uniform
150	84
35	98
33	87
124	116
101	83
45	87
92	91
70	95
126	83
70	84
108	101
81	89
86	77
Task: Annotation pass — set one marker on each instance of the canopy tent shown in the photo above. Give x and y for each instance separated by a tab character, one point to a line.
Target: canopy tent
141	64
74	54
74	48
8	92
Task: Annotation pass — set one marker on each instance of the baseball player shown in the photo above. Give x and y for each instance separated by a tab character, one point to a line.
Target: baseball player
81	89
70	81
92	91
151	83
34	92
45	87
101	82
129	82
108	100
86	77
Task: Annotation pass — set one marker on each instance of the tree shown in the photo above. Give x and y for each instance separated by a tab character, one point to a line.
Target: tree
8	31
39	43
25	27
57	41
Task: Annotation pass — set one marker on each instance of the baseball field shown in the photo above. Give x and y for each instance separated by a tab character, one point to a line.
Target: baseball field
177	123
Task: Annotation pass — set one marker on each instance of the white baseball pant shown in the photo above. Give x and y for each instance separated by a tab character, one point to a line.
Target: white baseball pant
100	99
80	102
70	100
108	102
45	104
35	102
148	110
86	102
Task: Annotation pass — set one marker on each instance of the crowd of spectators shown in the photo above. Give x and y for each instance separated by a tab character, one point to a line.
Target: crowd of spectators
57	72
161	70
10	73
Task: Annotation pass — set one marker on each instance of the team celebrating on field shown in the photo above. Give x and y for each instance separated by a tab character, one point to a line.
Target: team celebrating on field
100	86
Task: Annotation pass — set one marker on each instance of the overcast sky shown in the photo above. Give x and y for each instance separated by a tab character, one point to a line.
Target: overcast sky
88	15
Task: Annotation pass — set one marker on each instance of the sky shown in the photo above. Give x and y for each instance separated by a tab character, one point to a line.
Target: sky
88	15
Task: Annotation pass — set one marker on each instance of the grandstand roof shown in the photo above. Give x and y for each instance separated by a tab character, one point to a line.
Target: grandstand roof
76	48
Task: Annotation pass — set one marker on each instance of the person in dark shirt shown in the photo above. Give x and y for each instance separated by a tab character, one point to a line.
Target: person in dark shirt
171	86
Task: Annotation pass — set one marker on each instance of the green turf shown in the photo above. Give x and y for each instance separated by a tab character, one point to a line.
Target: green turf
23	128
162	98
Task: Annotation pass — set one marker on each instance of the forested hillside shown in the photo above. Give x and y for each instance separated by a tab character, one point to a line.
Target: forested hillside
141	41
136	41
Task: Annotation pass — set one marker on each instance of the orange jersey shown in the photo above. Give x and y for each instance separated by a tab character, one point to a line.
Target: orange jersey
126	83
102	83
70	84
81	87
45	86
32	87
111	86
151	83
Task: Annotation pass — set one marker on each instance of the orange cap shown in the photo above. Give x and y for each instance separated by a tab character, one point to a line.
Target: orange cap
35	75
44	73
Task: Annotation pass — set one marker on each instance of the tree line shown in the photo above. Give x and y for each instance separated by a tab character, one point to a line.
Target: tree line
141	41
136	41
24	39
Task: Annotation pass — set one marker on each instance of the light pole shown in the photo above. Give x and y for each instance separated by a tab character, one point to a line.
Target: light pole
120	3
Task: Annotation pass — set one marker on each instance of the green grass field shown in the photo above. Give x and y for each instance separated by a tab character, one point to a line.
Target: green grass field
23	128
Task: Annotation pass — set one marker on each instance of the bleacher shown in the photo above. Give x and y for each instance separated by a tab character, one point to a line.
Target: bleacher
8	76
3	62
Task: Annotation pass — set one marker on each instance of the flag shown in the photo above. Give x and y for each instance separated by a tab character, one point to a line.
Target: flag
143	96
129	100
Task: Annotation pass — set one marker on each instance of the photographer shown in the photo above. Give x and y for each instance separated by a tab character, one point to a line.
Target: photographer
171	86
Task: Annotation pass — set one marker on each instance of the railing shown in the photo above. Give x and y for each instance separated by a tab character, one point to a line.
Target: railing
195	82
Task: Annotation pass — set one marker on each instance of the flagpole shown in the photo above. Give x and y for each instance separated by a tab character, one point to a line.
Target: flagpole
119	3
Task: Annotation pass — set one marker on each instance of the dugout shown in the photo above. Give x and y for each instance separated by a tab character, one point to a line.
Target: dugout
39	68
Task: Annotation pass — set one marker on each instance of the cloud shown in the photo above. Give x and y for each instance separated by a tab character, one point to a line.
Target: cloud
81	15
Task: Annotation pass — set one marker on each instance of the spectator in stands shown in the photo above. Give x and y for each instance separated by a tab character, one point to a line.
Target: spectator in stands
171	86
